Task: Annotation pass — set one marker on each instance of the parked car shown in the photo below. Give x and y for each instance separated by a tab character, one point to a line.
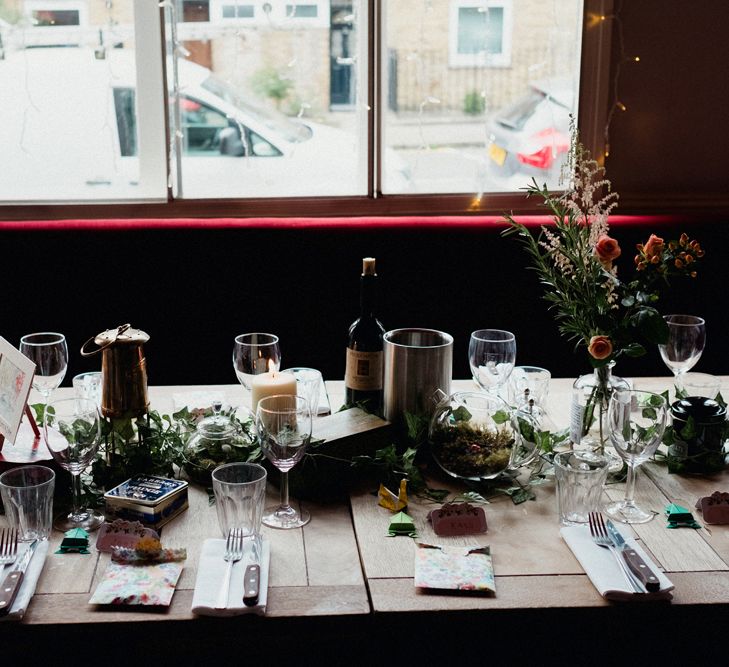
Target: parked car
531	137
68	131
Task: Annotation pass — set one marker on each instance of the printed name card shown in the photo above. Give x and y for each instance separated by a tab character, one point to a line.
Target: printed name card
458	519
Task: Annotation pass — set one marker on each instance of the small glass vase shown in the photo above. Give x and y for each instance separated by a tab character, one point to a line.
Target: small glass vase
588	418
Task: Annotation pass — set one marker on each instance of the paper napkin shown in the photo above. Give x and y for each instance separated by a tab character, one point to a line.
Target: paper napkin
210	574
454	568
603	570
30	579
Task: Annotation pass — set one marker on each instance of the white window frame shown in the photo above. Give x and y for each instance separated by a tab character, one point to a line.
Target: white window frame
276	15
216	12
482	59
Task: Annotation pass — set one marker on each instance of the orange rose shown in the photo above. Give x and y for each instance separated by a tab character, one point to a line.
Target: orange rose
607	249
654	247
600	347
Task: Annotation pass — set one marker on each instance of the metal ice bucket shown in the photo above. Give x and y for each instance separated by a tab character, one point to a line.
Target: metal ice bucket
417	363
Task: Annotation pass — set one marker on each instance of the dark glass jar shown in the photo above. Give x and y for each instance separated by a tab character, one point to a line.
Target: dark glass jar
700	429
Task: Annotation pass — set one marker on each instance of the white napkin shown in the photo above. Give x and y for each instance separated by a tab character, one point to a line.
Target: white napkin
210	574
604	572
30	579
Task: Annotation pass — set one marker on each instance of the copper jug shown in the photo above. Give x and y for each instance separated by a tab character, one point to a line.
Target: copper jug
123	371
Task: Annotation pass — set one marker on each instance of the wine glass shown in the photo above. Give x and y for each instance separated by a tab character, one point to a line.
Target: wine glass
491	354
686	340
72	430
636	421
254	354
283	425
49	352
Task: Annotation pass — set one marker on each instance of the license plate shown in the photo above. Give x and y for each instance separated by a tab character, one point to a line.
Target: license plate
497	154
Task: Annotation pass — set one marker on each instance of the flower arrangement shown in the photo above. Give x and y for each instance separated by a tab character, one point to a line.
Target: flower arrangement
575	259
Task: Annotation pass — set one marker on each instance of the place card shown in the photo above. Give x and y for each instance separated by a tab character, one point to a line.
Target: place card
458	519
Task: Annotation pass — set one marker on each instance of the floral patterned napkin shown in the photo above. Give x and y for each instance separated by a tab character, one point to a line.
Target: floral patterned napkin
140	578
454	568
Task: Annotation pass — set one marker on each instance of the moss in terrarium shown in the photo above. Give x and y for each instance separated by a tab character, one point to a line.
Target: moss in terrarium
470	452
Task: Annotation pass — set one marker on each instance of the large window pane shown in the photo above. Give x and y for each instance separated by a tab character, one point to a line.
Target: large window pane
479	92
69	129
269	98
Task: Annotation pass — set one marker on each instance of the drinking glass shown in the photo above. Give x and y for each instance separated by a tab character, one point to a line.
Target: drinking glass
49	352
686	340
72	430
283	426
27	494
308	385
528	383
636	421
491	354
254	354
697	384
240	490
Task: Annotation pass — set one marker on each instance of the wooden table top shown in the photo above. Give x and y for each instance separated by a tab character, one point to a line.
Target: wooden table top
342	563
533	566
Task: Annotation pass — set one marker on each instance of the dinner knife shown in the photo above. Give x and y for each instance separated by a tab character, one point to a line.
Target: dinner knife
11	584
252	576
636	564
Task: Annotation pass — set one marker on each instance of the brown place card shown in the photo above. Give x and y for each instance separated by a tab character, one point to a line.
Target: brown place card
458	519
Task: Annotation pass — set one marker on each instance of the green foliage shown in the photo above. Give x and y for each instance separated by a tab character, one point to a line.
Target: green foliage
474	103
269	82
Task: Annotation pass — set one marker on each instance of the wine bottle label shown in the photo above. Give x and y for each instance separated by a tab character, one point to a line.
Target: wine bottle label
364	370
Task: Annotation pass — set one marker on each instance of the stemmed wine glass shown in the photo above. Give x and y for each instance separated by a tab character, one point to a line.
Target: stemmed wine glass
491	355
72	430
686	340
283	425
254	354
636	421
49	352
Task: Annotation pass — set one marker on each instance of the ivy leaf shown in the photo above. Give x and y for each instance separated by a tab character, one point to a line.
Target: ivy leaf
651	325
689	431
720	400
461	414
473	497
501	417
634	350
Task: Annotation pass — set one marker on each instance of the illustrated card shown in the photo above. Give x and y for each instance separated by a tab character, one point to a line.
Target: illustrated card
16	379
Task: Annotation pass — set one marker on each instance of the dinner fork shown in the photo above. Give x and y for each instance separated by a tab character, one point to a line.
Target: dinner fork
233	553
8	546
601	538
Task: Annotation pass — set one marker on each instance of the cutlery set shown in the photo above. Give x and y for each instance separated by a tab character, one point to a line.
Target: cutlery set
637	573
235	549
8	555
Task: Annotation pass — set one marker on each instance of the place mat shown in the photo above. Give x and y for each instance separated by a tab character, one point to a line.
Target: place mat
30	579
210	574
603	570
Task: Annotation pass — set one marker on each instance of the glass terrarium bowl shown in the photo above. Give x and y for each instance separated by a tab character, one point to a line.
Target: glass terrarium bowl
218	438
475	436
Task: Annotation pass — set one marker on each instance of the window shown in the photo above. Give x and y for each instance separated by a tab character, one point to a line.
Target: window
272	100
480	33
238	11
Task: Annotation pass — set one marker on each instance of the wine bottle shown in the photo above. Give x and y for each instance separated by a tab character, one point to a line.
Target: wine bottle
364	372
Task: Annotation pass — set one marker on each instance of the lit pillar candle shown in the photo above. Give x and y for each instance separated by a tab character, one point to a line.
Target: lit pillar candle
269	384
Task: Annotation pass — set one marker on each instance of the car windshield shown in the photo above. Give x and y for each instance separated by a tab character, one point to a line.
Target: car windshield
290	130
516	116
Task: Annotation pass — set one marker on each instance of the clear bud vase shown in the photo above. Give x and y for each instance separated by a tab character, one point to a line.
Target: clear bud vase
590	398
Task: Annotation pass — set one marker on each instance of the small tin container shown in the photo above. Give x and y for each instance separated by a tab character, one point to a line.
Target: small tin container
700	430
151	500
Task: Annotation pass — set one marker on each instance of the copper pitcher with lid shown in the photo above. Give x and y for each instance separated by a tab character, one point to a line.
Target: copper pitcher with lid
123	370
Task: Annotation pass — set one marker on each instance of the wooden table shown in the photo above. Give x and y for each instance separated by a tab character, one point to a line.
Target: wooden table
344	587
